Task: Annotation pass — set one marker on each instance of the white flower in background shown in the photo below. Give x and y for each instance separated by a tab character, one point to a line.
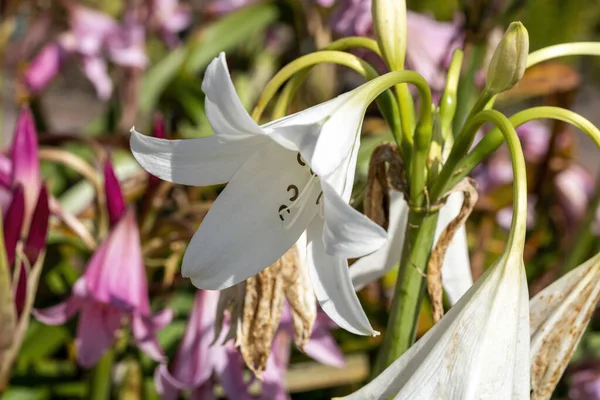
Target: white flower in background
456	270
478	350
559	315
292	175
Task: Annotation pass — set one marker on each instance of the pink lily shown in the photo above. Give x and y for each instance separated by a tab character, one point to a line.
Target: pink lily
170	18
321	347
113	288
197	359
94	37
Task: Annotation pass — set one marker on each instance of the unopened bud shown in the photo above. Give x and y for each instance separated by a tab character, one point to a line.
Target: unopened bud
389	23
509	60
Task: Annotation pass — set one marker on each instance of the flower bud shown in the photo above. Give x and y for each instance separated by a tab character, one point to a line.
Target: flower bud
389	23
509	60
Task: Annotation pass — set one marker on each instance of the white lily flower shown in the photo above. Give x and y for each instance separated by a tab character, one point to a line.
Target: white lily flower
478	350
285	177
559	315
456	270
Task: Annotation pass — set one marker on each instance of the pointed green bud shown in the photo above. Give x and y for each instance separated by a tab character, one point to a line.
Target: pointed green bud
389	23
509	60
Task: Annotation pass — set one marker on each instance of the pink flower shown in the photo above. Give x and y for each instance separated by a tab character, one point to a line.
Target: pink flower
321	347
170	18
200	356
113	288
196	359
94	37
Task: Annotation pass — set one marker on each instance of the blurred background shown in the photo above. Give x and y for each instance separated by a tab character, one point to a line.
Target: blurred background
90	70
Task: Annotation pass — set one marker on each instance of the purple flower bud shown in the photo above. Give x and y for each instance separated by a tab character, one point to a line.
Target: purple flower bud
44	67
25	160
114	197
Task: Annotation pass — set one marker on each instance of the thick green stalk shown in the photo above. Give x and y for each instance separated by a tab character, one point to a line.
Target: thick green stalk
100	378
410	288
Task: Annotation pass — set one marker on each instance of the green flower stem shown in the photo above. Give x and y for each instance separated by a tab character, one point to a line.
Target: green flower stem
449	97
418	171
563	50
100	379
407	114
583	243
309	60
410	288
493	139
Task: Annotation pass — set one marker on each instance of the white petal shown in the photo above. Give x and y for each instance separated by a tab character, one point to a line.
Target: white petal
478	350
331	282
559	316
199	162
223	107
300	131
342	179
456	270
347	232
242	233
374	266
337	137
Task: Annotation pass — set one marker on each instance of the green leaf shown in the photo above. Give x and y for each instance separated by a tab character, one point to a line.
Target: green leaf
23	393
42	340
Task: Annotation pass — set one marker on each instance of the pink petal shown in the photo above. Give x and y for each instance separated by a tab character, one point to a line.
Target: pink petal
98	324
96	71
13	223
116	273
273	386
167	386
162	318
323	348
36	240
5	171
193	364
144	332
61	313
91	29
430	44
229	367
25	157
114	197
44	67
204	392
126	45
